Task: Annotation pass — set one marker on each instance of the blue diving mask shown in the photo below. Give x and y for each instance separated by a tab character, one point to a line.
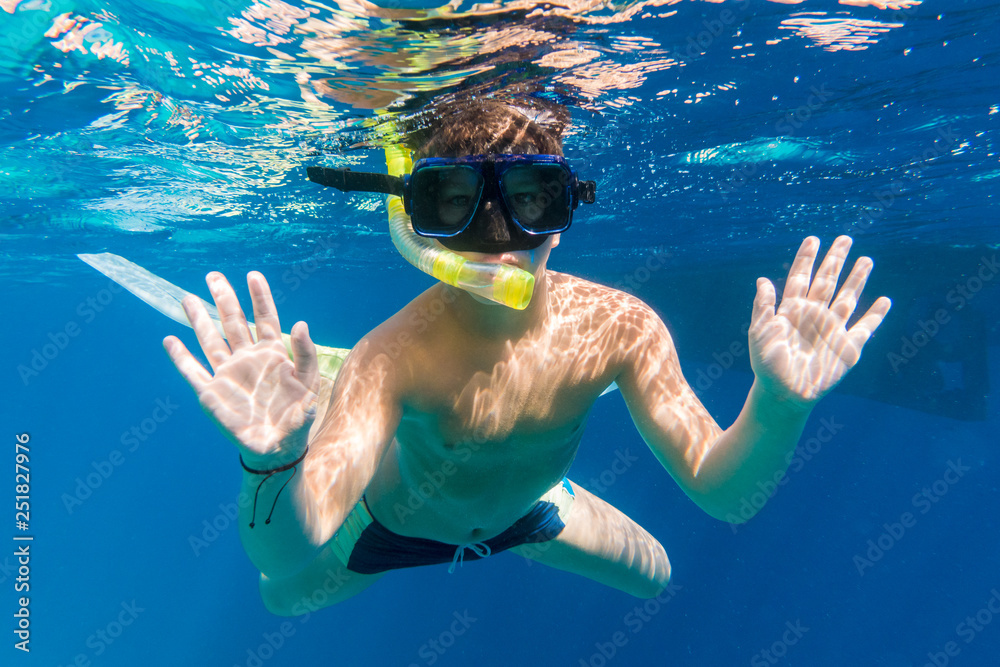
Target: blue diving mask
483	203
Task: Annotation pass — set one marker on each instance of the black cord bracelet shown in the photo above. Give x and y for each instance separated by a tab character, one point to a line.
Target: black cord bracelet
270	473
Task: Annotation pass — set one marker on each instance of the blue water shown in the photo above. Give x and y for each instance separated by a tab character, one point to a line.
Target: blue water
177	135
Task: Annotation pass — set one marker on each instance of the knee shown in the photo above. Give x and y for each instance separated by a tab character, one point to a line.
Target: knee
658	581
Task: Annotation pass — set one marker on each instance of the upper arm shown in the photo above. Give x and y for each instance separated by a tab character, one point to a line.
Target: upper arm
666	411
357	427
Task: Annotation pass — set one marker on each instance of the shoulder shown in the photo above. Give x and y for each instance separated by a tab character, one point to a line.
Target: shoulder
604	302
623	328
406	328
408	342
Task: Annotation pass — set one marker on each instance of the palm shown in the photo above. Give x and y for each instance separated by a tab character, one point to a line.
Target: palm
257	395
803	350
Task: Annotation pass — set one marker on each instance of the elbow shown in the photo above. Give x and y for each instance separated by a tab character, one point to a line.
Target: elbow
732	511
276	568
274	593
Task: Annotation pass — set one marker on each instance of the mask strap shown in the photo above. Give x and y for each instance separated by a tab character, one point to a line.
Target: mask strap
346	180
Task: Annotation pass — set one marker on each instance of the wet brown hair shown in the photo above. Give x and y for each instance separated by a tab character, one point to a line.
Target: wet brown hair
491	126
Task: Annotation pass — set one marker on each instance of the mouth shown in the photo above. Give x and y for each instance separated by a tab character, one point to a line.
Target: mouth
520	259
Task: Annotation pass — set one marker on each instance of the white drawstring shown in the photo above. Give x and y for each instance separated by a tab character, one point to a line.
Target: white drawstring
481	549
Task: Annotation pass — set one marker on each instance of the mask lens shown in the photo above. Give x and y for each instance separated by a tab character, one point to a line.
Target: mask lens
444	198
538	196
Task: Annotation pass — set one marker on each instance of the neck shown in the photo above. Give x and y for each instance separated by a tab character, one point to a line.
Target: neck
495	321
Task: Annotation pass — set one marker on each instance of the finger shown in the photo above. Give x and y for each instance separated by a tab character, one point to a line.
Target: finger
304	356
234	322
824	284
847	299
797	285
212	344
763	303
265	314
866	326
190	369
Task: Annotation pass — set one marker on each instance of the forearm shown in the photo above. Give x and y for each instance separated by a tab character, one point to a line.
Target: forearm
748	456
294	515
277	525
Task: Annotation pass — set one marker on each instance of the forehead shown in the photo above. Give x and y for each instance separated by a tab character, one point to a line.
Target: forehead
466	150
459	139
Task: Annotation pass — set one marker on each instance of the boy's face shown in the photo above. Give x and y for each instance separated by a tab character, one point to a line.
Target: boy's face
492	236
499	205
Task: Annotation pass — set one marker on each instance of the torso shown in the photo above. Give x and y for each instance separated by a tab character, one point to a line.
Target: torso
490	423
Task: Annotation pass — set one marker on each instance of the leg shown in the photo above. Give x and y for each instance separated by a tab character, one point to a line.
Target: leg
601	543
326	581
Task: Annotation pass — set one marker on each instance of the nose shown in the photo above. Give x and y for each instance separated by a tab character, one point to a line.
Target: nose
491	222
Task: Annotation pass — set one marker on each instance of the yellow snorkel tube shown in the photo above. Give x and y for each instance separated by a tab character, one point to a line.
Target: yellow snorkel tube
502	283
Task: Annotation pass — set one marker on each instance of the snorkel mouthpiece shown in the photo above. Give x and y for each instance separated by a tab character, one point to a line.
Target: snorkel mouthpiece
502	283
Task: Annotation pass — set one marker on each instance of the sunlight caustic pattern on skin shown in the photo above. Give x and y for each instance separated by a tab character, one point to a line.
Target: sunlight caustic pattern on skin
526	392
510	397
575	349
497	408
821	357
233	397
357	417
600	534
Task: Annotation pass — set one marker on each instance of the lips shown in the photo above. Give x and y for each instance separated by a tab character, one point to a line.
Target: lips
511	259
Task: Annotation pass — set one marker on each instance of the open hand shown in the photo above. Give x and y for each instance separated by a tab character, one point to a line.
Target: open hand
801	352
257	395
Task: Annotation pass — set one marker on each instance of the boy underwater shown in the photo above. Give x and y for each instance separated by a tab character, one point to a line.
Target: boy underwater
485	405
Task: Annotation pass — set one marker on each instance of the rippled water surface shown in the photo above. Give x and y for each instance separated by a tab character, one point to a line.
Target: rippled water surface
177	134
185	127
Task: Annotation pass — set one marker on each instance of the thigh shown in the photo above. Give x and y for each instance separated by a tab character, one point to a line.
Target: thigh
326	581
601	543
